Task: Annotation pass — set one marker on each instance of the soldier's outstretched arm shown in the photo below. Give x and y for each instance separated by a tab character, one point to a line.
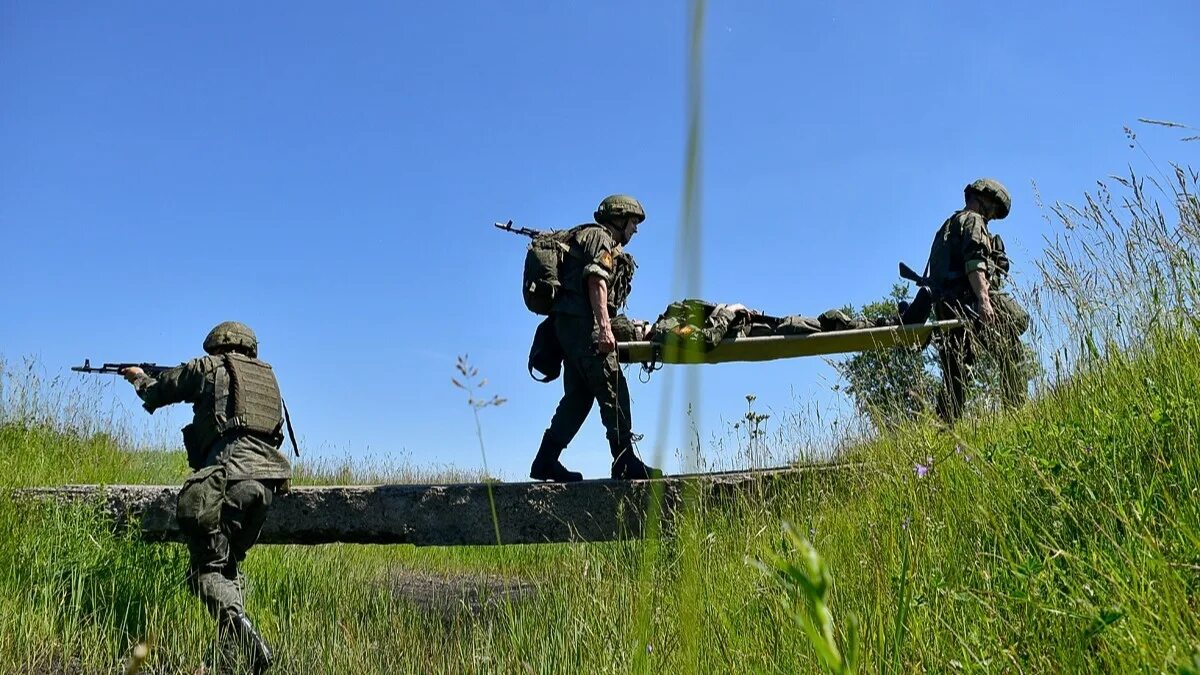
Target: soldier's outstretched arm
181	384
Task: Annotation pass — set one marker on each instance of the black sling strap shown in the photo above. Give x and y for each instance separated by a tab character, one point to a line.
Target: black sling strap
287	418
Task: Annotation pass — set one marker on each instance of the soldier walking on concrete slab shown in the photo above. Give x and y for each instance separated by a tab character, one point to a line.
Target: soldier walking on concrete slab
596	275
233	448
967	267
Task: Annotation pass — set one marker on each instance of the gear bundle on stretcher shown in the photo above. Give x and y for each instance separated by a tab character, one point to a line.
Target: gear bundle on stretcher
770	348
696	331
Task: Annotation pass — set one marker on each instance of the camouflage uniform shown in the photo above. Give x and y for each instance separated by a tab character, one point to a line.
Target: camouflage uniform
961	246
589	376
233	448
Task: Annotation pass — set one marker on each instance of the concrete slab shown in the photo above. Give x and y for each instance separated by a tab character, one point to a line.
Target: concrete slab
439	515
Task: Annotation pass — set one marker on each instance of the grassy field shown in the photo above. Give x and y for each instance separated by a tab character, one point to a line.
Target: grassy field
1067	535
1063	537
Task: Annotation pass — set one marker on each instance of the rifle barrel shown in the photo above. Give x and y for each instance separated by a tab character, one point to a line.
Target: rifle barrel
523	231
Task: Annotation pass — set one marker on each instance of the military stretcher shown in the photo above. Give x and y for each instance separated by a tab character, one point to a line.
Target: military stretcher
770	348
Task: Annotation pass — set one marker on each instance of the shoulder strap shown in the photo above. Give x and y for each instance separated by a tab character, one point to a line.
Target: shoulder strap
571	239
287	419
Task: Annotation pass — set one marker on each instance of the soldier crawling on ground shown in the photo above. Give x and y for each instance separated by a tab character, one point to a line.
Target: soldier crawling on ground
233	448
596	277
967	267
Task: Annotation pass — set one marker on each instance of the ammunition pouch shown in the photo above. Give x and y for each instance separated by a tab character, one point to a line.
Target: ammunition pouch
1011	314
196	441
621	283
198	509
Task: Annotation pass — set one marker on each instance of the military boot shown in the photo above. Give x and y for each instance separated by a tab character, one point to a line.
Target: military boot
239	635
547	467
628	466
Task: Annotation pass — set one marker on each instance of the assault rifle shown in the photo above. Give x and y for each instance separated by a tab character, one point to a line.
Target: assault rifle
523	231
151	369
918	310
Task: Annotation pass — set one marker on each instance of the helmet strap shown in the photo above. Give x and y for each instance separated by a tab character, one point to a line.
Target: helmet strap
978	203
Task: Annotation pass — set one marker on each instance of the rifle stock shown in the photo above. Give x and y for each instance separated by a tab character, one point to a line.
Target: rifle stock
907	272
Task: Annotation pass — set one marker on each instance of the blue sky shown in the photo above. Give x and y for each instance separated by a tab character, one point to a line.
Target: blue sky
329	175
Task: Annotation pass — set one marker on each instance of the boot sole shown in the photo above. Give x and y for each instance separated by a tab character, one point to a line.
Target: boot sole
555	479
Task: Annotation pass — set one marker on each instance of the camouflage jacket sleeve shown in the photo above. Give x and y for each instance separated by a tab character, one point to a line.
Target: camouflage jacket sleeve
976	242
182	384
598	252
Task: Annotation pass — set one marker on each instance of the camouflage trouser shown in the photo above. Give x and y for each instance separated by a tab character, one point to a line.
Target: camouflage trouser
587	377
217	543
959	349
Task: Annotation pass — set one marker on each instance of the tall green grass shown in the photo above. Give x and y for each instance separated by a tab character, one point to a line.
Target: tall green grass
1065	537
1062	537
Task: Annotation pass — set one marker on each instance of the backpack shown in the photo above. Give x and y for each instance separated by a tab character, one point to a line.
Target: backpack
540	283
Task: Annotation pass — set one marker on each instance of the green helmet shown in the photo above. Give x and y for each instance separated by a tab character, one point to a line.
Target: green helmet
619	206
231	334
993	189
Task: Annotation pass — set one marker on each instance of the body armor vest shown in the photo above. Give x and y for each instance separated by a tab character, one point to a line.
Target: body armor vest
244	396
247	397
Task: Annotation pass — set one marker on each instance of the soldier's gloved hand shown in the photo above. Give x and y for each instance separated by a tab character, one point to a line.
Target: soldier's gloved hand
606	342
132	373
